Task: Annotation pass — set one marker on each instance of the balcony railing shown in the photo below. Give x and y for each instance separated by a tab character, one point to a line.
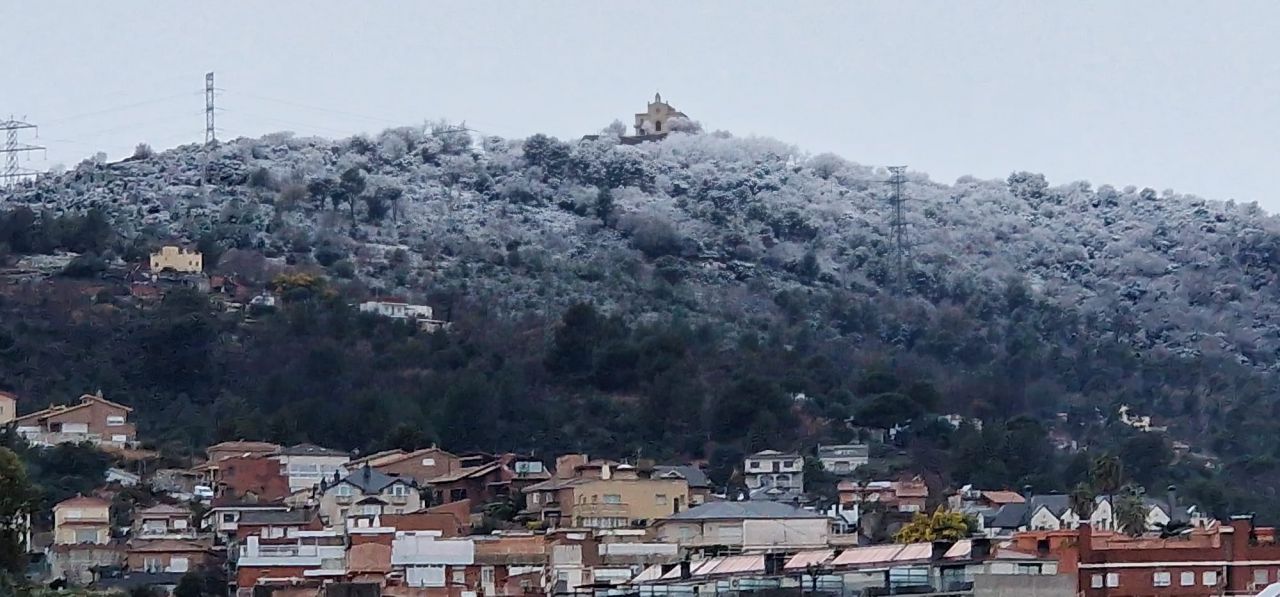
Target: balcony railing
602	510
188	533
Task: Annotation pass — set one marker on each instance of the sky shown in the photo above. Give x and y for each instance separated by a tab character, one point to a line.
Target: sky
1167	94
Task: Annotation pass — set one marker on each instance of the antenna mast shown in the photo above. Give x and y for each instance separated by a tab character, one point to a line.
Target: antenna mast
12	172
898	228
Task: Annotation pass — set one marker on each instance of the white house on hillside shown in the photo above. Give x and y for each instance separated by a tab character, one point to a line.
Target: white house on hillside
399	309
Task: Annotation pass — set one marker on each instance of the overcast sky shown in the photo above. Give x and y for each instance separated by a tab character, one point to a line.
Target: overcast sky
1181	95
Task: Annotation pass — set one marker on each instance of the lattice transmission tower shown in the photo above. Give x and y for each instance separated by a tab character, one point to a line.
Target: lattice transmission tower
12	172
898	230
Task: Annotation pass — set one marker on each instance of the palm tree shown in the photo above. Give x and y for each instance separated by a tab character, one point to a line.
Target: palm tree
1082	500
1106	474
1130	512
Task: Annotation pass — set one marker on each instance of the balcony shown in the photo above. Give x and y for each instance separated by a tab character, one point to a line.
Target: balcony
167	533
602	510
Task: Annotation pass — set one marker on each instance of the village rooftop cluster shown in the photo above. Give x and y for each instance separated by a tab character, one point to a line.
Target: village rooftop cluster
314	521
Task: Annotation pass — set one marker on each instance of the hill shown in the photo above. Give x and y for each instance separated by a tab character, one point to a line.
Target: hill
696	297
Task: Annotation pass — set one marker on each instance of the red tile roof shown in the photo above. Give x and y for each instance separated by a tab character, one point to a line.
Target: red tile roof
83	500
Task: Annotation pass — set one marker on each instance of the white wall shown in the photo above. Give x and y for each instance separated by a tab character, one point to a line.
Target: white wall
410	549
788	532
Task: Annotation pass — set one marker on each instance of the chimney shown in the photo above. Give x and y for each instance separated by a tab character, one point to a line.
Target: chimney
605	472
1172	501
1242	527
939	550
566	465
1026	493
685	572
1086	541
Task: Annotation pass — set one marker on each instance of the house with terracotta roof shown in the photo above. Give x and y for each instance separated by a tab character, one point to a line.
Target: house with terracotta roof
485	478
82	539
906	495
240	448
163	521
82	519
169	555
250	475
600	494
95	420
419	465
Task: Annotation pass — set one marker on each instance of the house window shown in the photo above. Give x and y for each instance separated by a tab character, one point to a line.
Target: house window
1113	579
115	420
1029	569
119	439
1161	579
428	462
1096	581
612	498
1260	577
486	575
152	564
86	536
1210	578
178	564
229	517
343	490
754	464
457	495
534	497
595	499
1187	579
660	499
400	490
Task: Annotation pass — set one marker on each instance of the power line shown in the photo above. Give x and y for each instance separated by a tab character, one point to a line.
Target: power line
122	107
12	173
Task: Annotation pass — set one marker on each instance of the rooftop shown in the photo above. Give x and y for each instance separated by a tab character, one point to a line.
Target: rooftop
310	450
743	510
283	517
371	481
696	477
83	501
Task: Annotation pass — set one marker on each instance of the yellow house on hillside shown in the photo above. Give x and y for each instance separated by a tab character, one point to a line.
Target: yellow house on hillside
177	259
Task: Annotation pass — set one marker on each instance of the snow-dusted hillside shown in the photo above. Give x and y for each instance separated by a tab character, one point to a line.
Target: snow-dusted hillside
707	222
